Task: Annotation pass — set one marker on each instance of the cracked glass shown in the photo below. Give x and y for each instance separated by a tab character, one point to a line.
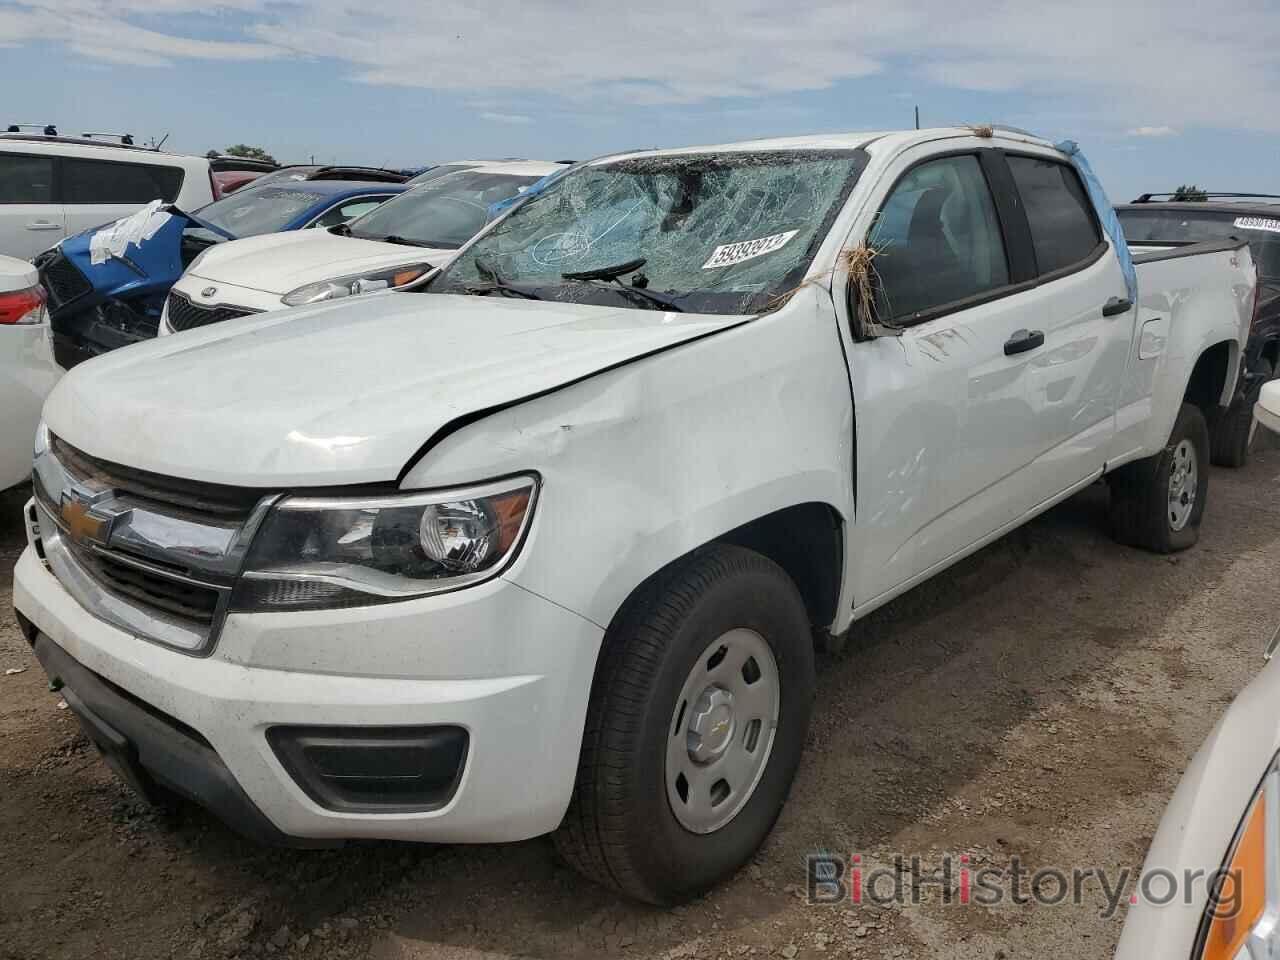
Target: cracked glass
728	233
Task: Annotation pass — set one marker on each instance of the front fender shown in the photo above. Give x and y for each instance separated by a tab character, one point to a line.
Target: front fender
643	463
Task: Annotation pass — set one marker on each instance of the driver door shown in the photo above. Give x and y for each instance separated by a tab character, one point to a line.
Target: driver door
945	428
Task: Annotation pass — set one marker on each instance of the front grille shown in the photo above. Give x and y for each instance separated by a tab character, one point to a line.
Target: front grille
62	280
190	601
185	315
210	499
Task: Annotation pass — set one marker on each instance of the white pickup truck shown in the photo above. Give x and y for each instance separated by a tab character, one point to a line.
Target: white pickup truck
544	544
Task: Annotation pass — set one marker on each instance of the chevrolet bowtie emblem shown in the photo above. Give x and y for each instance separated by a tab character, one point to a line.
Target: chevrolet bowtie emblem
81	524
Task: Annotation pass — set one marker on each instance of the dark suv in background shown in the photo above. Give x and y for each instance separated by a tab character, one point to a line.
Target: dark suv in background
1151	221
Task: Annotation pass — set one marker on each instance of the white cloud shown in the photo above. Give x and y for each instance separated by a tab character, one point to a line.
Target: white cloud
108	34
1107	61
506	117
1152	132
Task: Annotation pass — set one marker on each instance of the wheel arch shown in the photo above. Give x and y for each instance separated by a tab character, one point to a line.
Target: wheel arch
1210	384
805	539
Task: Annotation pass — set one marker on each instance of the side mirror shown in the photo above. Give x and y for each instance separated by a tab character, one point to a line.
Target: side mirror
1267	410
858	312
860	298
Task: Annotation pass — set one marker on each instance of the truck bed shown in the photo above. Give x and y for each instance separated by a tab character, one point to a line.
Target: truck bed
1190	298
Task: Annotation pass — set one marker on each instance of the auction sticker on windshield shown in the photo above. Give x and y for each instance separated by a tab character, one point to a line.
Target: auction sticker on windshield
731	253
1258	223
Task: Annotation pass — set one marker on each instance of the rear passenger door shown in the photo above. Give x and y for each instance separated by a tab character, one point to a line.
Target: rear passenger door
1074	378
31	220
95	191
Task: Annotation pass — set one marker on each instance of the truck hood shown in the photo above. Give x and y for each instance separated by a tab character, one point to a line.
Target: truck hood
340	393
280	262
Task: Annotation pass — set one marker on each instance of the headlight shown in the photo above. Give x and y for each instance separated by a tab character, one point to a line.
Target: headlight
314	553
1243	920
351	286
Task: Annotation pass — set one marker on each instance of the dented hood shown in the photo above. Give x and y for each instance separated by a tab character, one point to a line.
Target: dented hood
339	393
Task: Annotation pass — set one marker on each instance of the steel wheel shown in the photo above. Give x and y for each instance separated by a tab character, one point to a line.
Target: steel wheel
722	731
1184	481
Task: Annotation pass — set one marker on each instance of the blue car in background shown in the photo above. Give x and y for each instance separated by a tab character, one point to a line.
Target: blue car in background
100	300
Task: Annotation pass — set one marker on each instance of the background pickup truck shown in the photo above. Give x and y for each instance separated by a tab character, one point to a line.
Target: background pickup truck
543	544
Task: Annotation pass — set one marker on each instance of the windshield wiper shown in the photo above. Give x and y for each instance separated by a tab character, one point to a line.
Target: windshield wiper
607	273
637	289
403	241
493	283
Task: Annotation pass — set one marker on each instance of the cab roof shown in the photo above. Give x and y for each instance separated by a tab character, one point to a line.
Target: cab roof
893	139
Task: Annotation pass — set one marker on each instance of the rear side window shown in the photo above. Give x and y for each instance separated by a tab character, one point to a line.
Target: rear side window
1063	228
25	179
105	181
937	240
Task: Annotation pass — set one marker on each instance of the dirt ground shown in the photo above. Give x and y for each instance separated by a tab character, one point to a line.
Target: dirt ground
1038	701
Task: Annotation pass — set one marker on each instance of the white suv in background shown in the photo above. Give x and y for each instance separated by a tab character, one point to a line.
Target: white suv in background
395	244
53	187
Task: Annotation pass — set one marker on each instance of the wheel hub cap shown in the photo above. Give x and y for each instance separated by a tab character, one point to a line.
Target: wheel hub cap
722	730
1184	483
711	725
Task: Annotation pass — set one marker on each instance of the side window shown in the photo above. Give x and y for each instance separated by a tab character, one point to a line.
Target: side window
25	179
1063	228
345	212
937	239
105	181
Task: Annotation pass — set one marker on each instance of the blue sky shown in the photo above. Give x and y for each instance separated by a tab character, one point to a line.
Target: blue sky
1157	95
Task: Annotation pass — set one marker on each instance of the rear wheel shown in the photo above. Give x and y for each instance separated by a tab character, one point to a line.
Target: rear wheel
1157	503
1233	428
697	720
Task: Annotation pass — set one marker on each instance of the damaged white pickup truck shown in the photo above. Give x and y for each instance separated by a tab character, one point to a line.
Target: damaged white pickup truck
544	544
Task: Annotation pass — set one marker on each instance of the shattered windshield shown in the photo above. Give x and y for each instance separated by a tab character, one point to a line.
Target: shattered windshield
443	213
724	233
264	210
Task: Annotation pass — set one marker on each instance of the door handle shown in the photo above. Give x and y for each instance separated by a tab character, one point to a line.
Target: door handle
1116	306
43	225
1022	341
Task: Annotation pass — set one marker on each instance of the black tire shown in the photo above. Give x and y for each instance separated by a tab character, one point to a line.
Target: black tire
620	830
1140	510
1232	428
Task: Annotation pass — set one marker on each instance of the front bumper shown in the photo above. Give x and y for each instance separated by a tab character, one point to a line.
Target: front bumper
511	669
131	736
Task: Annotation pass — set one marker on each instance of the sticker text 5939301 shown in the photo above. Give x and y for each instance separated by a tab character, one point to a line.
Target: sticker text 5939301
731	253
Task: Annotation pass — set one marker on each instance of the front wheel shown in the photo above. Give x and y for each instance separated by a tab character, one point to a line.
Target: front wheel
697	720
1157	503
